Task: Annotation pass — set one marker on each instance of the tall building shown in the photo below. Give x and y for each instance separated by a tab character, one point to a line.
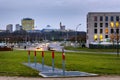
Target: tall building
102	26
62	27
18	27
27	24
9	28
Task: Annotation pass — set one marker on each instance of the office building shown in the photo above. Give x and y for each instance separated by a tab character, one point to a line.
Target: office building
18	27
102	26
27	24
9	28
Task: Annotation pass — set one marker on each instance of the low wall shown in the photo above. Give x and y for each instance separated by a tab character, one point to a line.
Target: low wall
99	46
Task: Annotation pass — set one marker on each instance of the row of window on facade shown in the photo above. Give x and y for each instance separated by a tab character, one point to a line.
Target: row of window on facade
106	18
100	37
106	30
112	24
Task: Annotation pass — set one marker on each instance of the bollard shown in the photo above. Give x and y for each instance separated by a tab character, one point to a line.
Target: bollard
28	57
53	61
42	60
63	61
35	58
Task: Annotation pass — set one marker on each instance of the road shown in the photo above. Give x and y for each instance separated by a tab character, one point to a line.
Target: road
57	47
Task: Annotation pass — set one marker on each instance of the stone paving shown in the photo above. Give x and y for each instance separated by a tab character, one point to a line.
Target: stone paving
47	71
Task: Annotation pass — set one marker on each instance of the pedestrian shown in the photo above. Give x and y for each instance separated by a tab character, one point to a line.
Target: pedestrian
24	47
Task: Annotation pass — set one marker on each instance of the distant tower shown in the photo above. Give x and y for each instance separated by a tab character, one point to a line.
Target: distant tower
18	27
62	27
9	28
27	24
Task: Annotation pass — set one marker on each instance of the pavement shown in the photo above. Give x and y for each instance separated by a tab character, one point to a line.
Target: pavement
50	71
71	78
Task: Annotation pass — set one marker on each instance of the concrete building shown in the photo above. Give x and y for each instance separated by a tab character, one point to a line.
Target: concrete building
102	26
18	27
27	24
9	28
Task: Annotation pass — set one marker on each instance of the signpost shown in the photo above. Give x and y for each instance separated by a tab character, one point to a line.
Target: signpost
29	57
42	60
53	60
35	58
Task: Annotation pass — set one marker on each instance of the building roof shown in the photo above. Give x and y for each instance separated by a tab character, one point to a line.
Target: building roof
27	19
48	28
103	12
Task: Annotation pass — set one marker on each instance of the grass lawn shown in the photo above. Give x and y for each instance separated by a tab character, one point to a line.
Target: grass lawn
103	64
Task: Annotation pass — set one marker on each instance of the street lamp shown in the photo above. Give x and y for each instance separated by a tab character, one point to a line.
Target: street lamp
76	34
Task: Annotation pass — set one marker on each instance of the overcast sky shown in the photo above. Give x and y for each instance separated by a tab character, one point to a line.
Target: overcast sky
52	12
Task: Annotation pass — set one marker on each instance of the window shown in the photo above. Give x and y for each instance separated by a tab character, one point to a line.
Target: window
101	18
106	18
101	37
106	24
95	24
112	24
117	24
112	18
117	18
101	30
101	24
95	30
117	31
106	36
95	37
112	30
112	37
95	18
106	30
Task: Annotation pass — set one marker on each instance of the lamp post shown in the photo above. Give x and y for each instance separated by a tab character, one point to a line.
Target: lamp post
76	34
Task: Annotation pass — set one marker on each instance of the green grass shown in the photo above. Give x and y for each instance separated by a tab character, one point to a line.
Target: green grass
103	64
11	64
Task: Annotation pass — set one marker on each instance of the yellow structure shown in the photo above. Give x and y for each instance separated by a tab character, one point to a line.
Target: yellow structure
27	24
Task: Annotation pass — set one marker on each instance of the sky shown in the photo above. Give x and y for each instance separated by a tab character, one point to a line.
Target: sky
51	12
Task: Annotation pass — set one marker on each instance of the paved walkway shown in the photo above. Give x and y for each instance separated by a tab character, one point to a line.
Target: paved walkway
48	71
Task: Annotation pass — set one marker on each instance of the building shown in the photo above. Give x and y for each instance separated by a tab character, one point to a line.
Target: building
9	28
48	28
2	30
62	27
27	24
18	27
102	26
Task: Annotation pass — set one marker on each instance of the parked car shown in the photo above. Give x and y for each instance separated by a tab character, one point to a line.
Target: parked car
4	47
51	49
